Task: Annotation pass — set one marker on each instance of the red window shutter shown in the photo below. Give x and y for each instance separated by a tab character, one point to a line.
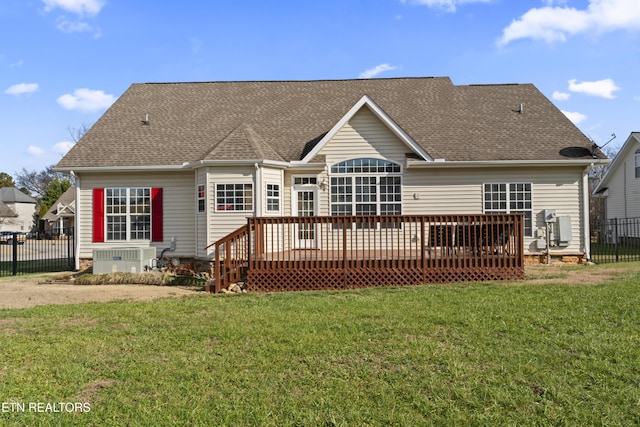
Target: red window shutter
156	215
98	214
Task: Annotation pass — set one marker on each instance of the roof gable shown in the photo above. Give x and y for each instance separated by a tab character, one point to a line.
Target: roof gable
242	143
366	101
6	211
628	149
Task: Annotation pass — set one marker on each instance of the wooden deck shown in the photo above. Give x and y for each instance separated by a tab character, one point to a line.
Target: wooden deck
304	253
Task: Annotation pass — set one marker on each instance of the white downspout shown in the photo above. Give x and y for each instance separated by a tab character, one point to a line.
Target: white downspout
257	191
586	228
76	222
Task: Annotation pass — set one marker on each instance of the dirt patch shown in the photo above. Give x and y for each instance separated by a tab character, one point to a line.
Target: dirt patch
90	392
572	275
31	291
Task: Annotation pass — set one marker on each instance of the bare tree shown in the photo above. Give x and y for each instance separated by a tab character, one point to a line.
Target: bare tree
77	133
596	204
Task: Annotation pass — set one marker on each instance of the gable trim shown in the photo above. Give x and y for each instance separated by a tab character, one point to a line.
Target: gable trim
382	116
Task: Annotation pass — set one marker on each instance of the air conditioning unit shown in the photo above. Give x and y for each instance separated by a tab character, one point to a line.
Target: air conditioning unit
122	260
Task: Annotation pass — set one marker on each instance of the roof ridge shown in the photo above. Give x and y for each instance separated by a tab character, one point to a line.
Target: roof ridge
298	81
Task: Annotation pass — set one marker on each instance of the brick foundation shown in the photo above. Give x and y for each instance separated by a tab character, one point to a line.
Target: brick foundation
536	259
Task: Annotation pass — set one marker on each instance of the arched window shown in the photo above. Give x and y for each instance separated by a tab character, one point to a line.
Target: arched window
366	187
638	163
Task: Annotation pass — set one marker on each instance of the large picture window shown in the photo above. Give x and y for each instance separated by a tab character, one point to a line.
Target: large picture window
510	198
128	214
366	187
234	197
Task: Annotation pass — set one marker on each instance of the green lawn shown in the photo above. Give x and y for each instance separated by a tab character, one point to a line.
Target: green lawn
464	354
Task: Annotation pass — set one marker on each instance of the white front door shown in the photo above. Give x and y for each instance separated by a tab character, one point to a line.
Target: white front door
305	202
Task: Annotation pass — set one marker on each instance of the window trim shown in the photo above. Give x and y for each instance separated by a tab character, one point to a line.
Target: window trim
99	223
201	198
244	185
353	175
272	198
508	209
128	214
637	163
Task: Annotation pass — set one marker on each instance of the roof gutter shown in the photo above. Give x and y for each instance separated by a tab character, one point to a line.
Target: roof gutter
416	164
193	165
153	168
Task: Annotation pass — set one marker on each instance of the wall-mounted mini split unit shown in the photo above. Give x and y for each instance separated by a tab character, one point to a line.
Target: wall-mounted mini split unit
122	260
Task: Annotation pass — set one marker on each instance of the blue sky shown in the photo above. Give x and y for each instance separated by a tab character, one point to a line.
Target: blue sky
63	62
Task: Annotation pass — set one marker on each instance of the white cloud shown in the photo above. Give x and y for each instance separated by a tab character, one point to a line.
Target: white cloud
446	5
62	147
36	151
18	64
67	26
560	96
372	72
575	117
21	89
86	100
552	24
603	88
79	7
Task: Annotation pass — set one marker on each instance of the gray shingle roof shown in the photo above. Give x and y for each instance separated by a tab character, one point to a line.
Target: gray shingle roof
280	120
13	195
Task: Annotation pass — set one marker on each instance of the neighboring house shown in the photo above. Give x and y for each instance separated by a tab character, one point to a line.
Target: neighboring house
184	164
620	186
16	210
59	219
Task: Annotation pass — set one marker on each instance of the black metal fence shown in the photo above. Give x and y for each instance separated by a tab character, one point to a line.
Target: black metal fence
615	240
24	253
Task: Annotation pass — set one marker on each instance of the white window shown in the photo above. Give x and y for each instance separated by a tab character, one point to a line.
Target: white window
638	163
201	197
305	180
234	197
510	198
366	187
128	213
273	198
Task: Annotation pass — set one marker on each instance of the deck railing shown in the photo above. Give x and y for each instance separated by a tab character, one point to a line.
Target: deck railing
231	258
342	252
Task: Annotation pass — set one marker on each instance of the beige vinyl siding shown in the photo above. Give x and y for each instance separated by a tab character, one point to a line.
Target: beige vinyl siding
458	191
364	136
178	196
222	223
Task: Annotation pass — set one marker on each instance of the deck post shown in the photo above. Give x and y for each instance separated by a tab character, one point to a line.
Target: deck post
423	249
344	253
249	242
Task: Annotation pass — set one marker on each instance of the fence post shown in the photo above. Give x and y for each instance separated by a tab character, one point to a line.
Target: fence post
14	242
615	237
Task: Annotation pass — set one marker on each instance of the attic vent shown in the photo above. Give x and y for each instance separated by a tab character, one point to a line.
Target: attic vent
521	109
145	121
